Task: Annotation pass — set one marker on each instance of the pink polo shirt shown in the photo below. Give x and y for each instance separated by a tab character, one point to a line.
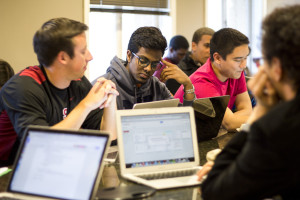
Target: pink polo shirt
207	84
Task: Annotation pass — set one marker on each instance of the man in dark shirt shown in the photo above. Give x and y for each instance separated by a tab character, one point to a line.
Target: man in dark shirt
196	58
262	161
56	93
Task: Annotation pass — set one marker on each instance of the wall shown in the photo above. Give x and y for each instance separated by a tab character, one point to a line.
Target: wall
272	4
187	17
19	20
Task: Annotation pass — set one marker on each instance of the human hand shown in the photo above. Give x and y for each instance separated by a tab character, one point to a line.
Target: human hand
172	71
264	93
101	94
263	90
205	170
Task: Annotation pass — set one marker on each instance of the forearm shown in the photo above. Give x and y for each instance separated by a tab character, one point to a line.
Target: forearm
232	121
75	119
189	91
108	119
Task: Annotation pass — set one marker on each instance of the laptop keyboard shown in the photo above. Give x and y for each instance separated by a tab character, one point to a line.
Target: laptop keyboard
170	174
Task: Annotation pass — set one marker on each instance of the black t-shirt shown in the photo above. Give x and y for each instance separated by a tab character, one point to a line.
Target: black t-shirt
30	99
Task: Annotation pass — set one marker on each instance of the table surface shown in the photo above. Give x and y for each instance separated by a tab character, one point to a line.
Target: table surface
111	176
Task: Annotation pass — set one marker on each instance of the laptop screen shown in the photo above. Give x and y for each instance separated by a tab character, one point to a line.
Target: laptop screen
157	139
58	165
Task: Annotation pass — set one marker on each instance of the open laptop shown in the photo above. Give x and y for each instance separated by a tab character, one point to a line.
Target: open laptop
157	104
209	113
158	147
58	164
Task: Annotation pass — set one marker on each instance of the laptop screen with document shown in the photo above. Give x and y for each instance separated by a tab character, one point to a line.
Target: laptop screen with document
59	164
157	139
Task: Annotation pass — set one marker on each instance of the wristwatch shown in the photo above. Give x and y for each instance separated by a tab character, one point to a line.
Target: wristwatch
189	91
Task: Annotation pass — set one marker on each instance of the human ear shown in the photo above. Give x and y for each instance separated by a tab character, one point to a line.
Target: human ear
217	58
129	55
276	69
194	46
63	57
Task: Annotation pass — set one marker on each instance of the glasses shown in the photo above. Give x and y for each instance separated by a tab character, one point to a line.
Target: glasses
144	62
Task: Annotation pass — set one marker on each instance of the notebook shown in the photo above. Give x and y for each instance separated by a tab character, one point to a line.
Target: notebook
157	104
209	113
58	164
158	142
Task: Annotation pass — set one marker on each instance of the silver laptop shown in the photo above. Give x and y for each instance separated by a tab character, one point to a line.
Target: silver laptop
58	164
157	104
158	147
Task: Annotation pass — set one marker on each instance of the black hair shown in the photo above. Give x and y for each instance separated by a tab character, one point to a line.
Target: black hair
6	72
179	42
54	36
147	37
200	32
225	41
281	39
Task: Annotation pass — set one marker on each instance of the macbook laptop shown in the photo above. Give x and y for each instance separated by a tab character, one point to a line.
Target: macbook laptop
58	164
157	104
158	147
209	113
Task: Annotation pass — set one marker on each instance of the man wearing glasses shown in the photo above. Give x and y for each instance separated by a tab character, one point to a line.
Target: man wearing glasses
133	77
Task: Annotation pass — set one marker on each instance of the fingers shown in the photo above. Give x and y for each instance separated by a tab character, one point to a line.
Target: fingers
109	87
257	83
205	170
108	101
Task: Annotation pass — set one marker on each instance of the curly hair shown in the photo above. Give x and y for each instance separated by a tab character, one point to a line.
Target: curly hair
281	39
147	37
225	41
54	36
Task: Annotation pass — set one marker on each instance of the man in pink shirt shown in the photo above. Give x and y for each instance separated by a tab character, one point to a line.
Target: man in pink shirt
222	74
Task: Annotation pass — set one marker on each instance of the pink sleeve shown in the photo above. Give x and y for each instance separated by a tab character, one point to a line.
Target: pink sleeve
241	85
179	94
203	89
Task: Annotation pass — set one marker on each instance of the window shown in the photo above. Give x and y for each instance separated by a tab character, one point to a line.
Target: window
111	27
243	15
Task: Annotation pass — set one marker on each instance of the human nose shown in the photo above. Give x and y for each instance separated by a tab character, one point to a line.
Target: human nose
89	56
243	64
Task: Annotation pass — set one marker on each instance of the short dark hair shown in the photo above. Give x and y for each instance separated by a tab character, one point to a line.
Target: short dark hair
281	39
54	36
6	72
179	42
200	32
225	41
148	37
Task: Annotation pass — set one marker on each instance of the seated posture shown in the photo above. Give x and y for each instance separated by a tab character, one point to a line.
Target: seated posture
261	162
133	77
56	93
7	134
196	58
222	74
177	49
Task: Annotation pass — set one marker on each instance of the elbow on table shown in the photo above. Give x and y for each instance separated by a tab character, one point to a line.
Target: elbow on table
230	125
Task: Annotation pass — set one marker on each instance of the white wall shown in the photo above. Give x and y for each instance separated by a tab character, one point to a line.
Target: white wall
187	17
272	4
19	20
